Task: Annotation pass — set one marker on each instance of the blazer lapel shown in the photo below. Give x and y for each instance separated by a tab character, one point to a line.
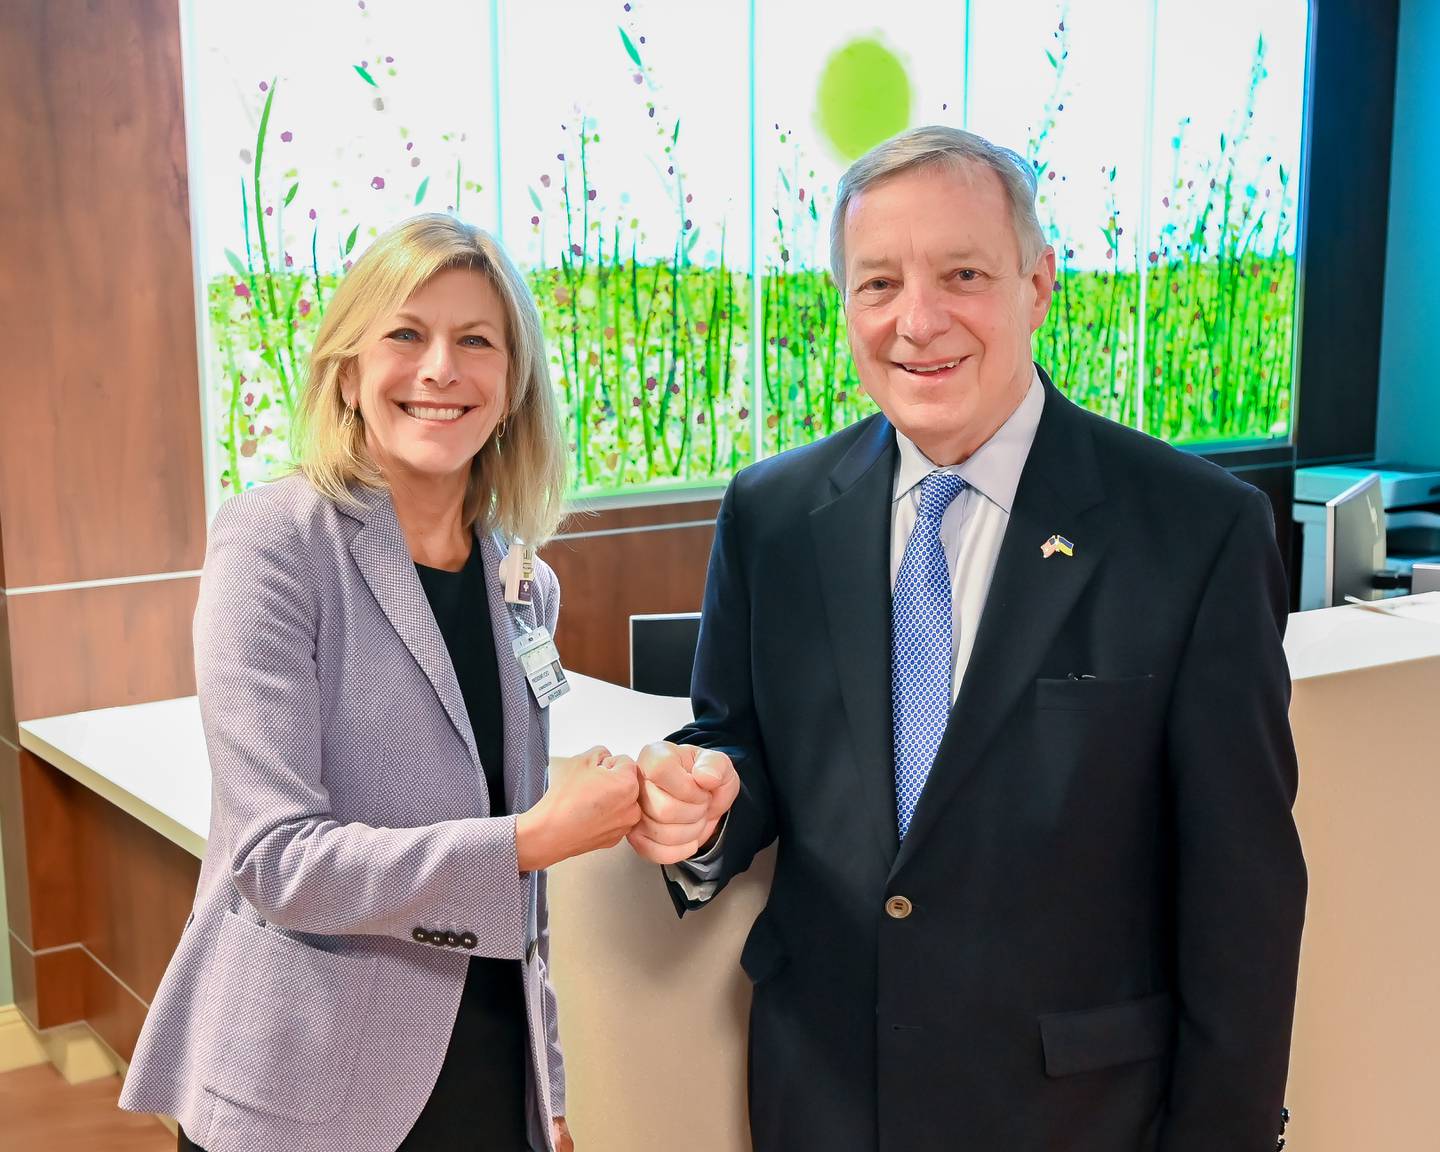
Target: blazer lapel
384	561
522	787
852	545
1030	597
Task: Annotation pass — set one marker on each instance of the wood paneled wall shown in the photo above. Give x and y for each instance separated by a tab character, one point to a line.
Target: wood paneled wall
100	472
625	562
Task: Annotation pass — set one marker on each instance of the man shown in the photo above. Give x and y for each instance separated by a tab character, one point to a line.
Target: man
1005	681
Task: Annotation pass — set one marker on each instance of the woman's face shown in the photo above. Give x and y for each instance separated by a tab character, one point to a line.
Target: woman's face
430	382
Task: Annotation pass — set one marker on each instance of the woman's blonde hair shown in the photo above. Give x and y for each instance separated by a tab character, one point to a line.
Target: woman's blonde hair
517	480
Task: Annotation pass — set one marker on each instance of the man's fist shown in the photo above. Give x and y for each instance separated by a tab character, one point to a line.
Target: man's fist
684	792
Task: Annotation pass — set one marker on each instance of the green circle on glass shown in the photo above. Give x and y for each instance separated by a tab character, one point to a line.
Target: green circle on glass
864	97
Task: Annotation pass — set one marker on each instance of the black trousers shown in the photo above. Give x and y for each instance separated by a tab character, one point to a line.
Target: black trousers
478	1102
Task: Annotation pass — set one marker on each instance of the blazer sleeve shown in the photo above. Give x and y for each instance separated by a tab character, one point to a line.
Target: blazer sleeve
723	697
1240	875
261	703
552	1005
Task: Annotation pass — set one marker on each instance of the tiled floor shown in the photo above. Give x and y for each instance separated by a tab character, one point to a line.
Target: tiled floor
39	1112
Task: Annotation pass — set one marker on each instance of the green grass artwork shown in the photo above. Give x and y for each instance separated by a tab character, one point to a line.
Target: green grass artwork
659	363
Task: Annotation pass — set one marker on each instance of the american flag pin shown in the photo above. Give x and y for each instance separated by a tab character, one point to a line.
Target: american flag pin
1057	543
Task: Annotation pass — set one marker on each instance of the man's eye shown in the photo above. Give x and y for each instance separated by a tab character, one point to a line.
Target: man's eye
967	275
878	284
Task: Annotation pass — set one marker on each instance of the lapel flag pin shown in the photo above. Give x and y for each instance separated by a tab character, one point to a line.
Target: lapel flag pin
1057	543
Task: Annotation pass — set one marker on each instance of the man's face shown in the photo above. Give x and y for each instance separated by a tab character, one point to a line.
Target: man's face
939	311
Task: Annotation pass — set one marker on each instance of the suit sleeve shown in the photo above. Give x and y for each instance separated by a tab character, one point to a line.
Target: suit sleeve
262	706
1239	872
552	1004
722	694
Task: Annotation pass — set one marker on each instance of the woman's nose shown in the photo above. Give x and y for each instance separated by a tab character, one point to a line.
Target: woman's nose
438	365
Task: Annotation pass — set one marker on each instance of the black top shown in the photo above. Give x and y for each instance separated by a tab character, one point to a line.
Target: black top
479	1098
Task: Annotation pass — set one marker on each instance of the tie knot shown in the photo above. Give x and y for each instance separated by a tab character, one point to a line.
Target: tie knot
937	492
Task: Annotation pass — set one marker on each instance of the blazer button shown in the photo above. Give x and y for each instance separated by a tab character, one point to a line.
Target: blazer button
420	936
438	939
451	940
897	907
468	940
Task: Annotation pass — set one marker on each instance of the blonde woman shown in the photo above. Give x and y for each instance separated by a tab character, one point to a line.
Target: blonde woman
365	964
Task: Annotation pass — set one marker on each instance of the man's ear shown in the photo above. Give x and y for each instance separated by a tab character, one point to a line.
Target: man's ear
1042	279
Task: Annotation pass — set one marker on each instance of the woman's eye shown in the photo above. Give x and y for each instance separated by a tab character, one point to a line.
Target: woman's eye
476	342
404	335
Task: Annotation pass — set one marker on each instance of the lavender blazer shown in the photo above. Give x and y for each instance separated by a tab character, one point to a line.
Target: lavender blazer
301	1012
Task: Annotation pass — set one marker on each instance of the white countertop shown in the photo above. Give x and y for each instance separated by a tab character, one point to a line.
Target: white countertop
143	758
1334	641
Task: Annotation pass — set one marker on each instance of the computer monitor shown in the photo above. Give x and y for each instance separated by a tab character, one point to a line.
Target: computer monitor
662	652
1354	542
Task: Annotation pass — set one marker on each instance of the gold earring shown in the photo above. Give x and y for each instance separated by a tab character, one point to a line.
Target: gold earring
500	431
347	422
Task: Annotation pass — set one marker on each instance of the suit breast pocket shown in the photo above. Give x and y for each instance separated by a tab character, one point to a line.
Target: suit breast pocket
1098	694
285	1021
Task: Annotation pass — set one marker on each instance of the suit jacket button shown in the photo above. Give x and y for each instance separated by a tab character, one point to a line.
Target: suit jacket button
467	940
897	907
452	940
438	939
420	936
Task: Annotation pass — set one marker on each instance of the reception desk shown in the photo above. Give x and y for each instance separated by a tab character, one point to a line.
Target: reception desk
652	1009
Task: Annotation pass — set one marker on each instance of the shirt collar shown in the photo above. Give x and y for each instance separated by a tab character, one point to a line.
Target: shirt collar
994	468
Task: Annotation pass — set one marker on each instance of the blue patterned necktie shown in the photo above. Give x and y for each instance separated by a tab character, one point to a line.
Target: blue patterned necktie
922	660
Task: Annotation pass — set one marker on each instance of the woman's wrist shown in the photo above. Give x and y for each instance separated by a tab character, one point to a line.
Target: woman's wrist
532	849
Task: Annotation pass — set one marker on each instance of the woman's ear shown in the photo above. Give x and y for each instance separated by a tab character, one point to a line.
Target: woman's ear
349	389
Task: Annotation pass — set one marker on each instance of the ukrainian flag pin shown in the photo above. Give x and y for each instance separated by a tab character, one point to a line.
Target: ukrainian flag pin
1057	543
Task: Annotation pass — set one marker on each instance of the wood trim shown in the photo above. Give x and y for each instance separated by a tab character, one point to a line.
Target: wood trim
642	516
47	799
102	647
135	891
9	722
606	579
100	435
61	979
13	842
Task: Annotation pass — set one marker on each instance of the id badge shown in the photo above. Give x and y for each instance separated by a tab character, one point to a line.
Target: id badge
541	664
517	570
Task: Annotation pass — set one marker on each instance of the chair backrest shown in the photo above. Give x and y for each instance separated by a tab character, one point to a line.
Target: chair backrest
662	652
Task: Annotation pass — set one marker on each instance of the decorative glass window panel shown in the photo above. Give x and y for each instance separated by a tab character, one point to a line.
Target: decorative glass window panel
664	173
312	128
625	138
827	91
1065	86
1221	291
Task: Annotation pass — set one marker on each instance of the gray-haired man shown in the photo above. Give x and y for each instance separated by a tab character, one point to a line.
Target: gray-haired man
1005	681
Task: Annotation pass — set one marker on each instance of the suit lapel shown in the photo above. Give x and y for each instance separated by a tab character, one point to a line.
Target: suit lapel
384	561
1030	597
852	545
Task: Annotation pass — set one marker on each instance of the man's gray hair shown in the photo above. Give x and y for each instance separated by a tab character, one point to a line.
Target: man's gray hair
935	145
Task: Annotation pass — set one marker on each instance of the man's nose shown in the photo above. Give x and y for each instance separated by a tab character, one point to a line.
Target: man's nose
922	314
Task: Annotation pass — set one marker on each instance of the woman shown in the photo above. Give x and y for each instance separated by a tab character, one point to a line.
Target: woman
365	964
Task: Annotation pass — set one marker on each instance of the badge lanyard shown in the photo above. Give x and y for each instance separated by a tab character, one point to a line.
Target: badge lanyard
534	649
